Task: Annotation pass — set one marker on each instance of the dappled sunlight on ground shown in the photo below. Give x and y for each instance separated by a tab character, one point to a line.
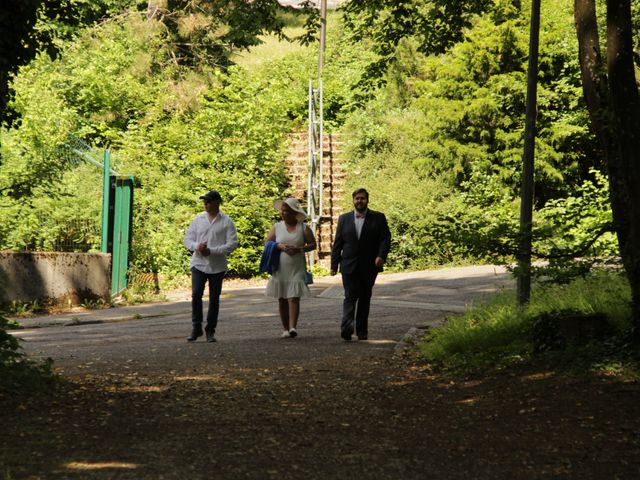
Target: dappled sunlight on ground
379	342
137	389
209	378
538	376
100	465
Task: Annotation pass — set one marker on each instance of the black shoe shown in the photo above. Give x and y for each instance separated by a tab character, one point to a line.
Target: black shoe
362	337
195	333
346	336
210	337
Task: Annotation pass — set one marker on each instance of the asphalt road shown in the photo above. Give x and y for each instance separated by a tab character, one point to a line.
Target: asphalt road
152	337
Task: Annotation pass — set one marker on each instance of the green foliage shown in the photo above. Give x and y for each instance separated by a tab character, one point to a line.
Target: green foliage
18	374
61	20
344	77
576	232
179	131
496	332
435	24
439	147
97	304
67	221
208	32
238	150
55	98
273	47
32	26
22	309
136	294
446	131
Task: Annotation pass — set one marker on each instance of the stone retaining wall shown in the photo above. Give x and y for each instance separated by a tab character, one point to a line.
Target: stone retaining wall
54	276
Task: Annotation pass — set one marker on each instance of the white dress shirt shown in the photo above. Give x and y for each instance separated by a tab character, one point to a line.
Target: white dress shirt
221	239
359	222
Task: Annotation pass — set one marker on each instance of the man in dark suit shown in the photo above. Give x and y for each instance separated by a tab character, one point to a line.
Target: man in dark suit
360	249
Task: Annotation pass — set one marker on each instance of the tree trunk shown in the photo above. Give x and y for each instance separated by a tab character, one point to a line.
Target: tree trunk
626	114
614	109
155	8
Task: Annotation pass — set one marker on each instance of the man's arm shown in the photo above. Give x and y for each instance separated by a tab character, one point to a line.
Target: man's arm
336	248
190	239
385	241
230	243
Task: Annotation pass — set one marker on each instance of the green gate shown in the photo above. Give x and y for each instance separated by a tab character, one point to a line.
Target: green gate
117	209
117	217
120	218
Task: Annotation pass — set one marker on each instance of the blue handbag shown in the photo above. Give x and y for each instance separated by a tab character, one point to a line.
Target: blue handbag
308	276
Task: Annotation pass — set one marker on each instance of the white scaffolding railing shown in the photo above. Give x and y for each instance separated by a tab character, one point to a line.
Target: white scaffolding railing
315	166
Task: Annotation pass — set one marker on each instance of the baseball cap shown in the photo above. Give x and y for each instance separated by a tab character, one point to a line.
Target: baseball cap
211	195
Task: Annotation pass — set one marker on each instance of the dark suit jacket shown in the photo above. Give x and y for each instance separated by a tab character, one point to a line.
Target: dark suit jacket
352	253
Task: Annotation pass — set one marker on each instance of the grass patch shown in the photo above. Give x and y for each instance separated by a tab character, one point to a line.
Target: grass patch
49	306
272	48
137	294
497	333
24	309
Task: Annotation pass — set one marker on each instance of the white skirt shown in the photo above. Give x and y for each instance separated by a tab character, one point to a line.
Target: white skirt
295	288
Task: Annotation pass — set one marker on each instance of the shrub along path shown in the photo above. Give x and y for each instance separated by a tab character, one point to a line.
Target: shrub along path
142	403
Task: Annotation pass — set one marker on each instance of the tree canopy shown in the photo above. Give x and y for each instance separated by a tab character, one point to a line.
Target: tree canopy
431	93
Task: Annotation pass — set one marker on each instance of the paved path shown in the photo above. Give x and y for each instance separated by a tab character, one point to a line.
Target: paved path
143	404
151	337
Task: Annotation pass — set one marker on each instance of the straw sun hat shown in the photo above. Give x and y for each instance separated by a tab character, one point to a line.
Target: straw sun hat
293	205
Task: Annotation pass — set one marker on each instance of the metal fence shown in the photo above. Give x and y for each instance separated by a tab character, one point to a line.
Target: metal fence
77	235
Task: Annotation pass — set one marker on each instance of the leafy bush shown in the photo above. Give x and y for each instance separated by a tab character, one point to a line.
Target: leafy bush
180	134
496	331
440	148
437	25
180	131
18	374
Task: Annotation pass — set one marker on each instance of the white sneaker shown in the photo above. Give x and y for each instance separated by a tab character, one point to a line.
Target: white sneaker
293	333
286	334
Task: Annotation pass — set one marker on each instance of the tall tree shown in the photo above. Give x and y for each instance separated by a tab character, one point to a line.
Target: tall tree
612	97
29	26
17	18
208	31
436	24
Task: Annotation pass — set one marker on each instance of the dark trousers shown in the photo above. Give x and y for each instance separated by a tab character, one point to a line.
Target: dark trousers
357	300
198	282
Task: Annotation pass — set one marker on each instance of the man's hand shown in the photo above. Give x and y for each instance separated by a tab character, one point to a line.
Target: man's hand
203	249
379	262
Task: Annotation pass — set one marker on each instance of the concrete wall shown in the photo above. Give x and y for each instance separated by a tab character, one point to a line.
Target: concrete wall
56	276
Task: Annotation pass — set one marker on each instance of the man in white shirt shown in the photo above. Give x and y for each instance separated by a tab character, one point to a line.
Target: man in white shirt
211	237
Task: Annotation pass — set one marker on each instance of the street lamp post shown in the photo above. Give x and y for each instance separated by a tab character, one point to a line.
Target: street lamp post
526	204
323	36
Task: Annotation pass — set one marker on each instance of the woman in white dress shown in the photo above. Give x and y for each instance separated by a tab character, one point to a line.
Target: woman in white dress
294	238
